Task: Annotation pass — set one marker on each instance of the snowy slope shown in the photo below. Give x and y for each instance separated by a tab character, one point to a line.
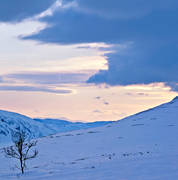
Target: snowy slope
141	147
10	122
57	125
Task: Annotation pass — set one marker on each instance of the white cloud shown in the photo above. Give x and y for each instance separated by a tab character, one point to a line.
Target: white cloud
27	55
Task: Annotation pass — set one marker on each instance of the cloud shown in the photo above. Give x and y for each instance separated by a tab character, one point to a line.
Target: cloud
34	89
15	10
98	97
102	99
48	77
97	111
140	65
142	94
136	94
118	8
143	35
41	81
106	103
1	79
173	86
93	28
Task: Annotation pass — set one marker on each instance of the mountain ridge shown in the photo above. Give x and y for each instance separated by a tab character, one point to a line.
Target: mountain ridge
11	121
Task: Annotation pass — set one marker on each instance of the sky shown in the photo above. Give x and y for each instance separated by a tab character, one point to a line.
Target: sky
86	60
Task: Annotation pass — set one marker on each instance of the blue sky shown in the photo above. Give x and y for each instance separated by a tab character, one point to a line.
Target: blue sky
66	47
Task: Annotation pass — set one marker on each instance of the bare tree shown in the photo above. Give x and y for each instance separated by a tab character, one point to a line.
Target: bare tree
21	149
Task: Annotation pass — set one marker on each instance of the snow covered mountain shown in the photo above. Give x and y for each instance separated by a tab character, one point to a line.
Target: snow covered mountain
141	147
11	122
56	125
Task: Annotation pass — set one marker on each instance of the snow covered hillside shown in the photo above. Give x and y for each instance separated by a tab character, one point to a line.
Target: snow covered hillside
141	147
10	122
56	125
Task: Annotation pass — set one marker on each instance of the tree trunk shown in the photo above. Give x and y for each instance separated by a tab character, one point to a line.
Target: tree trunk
21	165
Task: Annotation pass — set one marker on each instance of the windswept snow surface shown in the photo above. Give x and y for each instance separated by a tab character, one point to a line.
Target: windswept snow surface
141	147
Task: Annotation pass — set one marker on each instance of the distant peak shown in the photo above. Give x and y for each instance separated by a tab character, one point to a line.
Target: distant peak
175	99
